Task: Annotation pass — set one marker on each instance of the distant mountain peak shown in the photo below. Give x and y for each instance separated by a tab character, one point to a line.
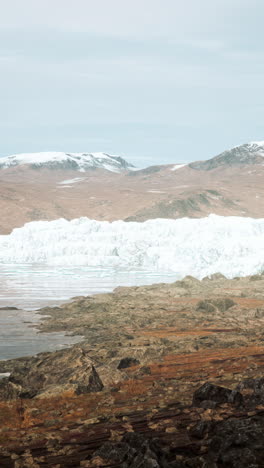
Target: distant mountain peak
71	161
246	154
255	144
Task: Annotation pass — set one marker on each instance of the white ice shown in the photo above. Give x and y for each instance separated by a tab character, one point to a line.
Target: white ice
231	245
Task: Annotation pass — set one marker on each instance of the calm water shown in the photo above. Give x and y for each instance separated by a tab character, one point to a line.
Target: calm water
19	336
30	287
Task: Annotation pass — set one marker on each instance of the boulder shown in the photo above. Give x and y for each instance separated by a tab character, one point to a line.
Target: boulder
212	305
223	304
200	429
133	451
238	443
9	390
217	395
127	362
205	306
256	386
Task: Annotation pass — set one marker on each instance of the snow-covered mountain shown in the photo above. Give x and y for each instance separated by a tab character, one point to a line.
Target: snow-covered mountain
249	153
72	161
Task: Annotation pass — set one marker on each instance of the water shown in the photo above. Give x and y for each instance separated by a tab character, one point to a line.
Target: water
30	287
33	286
19	335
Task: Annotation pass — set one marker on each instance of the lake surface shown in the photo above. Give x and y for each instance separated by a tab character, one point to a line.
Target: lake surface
19	335
33	286
30	287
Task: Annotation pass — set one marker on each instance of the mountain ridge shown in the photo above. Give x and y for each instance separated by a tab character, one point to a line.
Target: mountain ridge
244	154
73	161
247	153
230	184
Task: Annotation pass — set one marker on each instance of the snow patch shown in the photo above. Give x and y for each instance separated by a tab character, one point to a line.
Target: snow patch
71	181
257	143
155	191
178	166
200	247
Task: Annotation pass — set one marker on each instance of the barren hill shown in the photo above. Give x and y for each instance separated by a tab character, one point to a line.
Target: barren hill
110	189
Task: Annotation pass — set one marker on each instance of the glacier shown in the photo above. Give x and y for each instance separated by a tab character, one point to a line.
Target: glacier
233	246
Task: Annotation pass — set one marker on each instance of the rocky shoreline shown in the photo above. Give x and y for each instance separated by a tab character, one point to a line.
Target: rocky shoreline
142	388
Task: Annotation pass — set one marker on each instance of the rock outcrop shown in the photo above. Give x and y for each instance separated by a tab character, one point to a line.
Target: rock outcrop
52	373
127	362
193	396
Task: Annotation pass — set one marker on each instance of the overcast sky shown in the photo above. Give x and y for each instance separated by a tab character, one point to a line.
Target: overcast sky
156	81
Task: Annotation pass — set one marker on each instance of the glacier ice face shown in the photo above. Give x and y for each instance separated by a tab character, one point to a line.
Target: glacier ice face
231	245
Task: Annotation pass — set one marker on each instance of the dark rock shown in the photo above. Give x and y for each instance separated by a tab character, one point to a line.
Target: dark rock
211	305
145	370
216	394
127	362
208	404
257	387
205	306
9	390
200	429
129	337
133	451
238	443
27	394
94	384
223	304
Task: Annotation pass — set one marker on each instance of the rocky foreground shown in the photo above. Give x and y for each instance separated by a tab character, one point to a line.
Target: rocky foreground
169	375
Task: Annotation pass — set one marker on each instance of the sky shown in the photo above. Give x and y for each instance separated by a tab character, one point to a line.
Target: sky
155	81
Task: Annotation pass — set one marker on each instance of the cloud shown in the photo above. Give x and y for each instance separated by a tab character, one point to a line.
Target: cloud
148	18
138	77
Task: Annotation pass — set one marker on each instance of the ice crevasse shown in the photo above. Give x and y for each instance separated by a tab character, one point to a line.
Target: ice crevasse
230	245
